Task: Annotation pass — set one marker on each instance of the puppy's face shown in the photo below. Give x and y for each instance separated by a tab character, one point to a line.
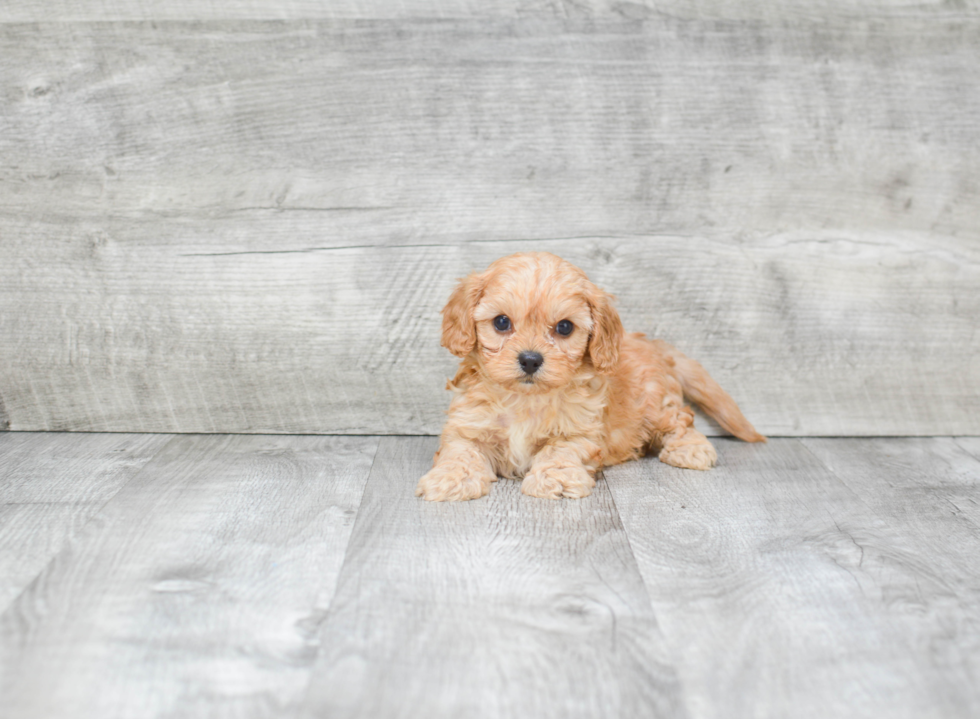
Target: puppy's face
533	319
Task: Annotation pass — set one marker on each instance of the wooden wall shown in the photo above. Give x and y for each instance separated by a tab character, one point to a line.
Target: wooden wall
245	216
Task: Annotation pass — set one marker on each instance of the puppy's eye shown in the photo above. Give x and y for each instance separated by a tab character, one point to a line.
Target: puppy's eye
564	328
501	323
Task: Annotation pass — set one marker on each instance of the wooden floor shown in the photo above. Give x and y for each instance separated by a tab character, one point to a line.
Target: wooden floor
157	575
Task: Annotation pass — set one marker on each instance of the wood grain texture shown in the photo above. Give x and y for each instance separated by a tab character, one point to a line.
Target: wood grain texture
935	480
102	10
250	226
196	591
923	553
507	606
229	577
50	486
811	336
784	593
484	129
970	444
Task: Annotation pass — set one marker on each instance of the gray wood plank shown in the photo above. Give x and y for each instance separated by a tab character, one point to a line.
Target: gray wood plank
30	535
135	10
785	593
68	468
826	337
198	217
925	560
50	485
932	485
465	129
196	591
102	10
970	444
507	606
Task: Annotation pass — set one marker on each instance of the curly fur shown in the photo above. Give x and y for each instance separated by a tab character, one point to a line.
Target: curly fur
600	397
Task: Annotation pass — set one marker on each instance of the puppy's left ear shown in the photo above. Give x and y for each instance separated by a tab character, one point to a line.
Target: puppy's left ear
458	327
607	331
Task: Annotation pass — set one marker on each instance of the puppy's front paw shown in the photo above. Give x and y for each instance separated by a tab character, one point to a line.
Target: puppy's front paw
690	456
554	481
454	481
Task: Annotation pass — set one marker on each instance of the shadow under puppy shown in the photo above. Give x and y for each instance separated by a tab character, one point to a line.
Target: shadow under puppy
551	388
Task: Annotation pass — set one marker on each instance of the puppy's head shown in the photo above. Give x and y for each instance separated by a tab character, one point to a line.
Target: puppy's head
533	319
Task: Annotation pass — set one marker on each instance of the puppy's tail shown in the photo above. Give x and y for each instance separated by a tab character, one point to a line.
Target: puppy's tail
709	395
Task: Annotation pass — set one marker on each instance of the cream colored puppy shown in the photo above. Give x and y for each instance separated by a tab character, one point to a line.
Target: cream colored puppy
551	389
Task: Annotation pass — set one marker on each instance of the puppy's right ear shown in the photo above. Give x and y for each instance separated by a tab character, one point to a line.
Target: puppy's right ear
458	327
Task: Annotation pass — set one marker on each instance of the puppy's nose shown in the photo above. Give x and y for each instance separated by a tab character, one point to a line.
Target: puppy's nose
530	361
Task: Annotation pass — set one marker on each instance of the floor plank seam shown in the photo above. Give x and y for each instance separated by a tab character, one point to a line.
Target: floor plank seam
81	530
958	443
629	542
817	572
324	616
835	475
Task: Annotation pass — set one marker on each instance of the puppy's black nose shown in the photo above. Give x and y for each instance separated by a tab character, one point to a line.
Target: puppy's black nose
530	361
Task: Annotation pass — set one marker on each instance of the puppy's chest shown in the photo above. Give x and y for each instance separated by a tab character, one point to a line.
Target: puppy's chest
520	432
519	436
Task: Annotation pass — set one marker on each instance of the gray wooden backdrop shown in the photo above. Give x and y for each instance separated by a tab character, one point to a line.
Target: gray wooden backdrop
244	216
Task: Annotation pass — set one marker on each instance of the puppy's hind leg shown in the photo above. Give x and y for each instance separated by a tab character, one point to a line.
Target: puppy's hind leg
680	444
690	451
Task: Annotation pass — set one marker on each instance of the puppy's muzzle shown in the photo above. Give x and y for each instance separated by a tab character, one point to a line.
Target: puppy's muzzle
530	362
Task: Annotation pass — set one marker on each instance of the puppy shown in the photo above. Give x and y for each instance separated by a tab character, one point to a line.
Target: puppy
551	389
